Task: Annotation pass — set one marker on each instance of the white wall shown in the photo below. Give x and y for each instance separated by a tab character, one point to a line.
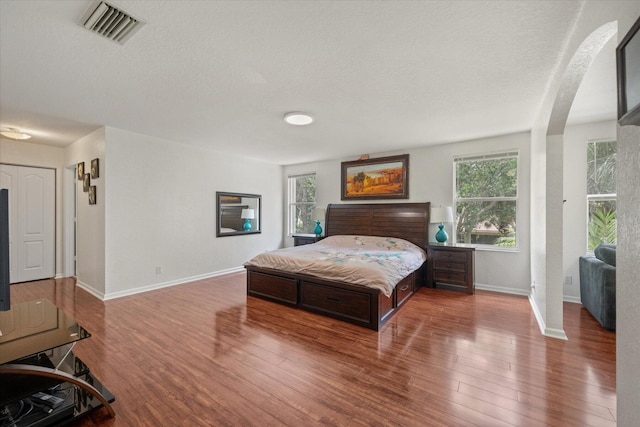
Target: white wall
161	211
627	274
90	219
575	194
594	15
158	209
431	180
538	249
588	32
27	154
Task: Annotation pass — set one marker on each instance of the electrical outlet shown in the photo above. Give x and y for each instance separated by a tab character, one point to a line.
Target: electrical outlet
158	270
568	280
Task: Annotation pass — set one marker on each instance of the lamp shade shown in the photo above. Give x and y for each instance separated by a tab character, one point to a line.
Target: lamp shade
441	214
318	214
248	214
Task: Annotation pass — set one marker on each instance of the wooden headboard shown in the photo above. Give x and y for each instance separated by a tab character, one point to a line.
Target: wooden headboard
230	217
409	221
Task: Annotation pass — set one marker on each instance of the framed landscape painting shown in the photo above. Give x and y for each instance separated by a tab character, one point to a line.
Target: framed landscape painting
228	200
381	178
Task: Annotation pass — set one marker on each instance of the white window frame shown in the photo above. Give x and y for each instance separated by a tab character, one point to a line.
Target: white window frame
514	153
291	190
598	197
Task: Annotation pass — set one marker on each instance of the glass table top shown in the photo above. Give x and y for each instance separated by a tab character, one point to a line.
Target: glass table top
36	326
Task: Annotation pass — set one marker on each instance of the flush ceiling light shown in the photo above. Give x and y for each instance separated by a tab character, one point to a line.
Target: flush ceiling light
298	118
14	134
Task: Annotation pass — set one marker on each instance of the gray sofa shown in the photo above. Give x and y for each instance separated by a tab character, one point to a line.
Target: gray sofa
598	285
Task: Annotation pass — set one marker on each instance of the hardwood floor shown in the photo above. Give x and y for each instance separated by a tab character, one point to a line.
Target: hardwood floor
203	354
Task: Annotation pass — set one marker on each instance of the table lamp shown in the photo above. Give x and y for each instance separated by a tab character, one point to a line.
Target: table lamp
439	216
318	215
247	215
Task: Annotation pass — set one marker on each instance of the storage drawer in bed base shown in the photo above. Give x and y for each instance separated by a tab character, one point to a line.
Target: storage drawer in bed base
277	288
354	304
335	302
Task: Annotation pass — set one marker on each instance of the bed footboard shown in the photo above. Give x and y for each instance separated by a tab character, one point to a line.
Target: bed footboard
350	303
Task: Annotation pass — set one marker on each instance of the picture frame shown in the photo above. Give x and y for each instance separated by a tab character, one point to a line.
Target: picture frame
628	77
80	171
381	178
92	195
86	182
95	168
226	199
233	216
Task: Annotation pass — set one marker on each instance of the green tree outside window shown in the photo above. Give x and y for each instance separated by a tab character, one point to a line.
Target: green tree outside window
486	200
302	201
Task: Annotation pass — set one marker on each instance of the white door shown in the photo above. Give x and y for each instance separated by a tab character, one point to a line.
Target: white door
31	221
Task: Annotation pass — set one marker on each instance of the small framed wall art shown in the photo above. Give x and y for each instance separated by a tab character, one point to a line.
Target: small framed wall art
92	195
95	168
86	182
80	170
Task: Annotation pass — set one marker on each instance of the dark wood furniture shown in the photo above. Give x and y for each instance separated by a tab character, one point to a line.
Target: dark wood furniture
451	267
352	303
305	239
36	359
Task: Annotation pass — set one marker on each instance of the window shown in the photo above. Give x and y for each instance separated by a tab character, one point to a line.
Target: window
486	199
302	201
601	193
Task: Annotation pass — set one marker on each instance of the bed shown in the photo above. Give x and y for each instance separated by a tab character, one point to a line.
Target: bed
354	303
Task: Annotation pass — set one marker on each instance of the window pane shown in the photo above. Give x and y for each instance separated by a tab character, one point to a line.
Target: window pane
302	198
602	223
486	223
303	222
305	188
601	179
487	178
601	167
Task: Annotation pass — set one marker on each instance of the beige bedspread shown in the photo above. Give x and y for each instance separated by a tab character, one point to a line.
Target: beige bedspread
376	262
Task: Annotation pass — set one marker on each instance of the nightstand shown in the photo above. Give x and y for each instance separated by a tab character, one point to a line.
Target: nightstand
451	267
305	239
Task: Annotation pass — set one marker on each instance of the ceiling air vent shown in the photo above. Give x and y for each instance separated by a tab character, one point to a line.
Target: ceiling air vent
110	22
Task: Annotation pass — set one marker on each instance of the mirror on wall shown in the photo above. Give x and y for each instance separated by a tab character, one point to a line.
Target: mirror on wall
238	213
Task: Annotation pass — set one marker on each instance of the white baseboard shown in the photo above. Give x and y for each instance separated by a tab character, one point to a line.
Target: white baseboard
517	291
161	285
91	290
547	332
513	291
556	333
536	313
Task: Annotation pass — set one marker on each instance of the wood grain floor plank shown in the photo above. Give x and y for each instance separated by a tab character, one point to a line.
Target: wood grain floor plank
204	353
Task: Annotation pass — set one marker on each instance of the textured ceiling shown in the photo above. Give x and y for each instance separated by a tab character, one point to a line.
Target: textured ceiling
376	76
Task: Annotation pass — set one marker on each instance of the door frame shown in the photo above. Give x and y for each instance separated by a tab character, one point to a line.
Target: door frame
69	220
